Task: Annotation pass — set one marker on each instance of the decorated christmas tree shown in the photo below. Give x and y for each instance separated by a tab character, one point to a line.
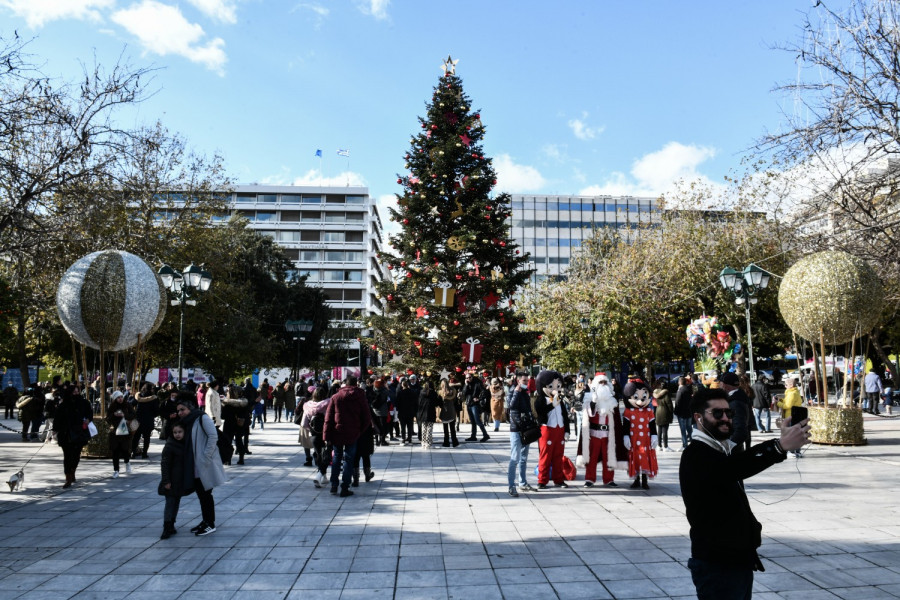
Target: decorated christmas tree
455	270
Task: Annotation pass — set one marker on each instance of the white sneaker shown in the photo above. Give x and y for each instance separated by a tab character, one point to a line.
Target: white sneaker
128	468
115	474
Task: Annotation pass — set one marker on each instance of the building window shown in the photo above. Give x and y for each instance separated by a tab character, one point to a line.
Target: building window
266	233
268	198
353	295
245	198
353	276
355	216
292	253
354	236
334	199
334	256
334	217
312	199
309	236
353	256
264	216
332	236
310	217
356	199
289	236
290	216
311	256
290	199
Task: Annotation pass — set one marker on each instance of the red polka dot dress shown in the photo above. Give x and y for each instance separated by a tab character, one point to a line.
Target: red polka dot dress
641	457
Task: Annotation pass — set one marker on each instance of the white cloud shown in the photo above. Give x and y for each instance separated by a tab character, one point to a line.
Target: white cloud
376	8
581	129
514	178
657	172
318	12
220	10
38	12
162	29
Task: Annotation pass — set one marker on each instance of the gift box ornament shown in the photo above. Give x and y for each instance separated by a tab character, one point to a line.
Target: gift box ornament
444	294
471	350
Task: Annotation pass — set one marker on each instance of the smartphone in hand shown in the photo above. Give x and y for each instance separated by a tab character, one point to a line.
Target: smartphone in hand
798	413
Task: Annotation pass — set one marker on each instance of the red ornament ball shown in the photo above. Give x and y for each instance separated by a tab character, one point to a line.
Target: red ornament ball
456	323
403	262
517	251
433	127
390	297
390	267
459	277
409	274
399	180
369	371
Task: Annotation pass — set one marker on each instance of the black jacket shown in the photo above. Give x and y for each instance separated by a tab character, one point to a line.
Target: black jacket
683	401
428	403
407	403
762	397
740	404
723	528
543	411
520	405
172	467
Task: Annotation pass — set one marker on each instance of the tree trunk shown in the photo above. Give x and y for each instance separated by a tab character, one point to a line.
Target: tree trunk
891	366
22	350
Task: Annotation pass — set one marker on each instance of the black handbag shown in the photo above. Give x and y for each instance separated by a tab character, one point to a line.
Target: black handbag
529	430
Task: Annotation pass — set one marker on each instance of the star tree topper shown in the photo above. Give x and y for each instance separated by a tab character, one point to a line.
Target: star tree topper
449	66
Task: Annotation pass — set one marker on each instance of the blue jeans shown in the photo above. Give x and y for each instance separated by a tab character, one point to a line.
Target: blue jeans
684	423
721	582
757	413
344	459
518	455
475	416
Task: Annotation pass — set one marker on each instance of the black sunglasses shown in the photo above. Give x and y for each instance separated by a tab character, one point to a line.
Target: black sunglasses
718	413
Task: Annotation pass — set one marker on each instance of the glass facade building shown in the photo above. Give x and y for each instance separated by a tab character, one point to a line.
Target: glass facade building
552	228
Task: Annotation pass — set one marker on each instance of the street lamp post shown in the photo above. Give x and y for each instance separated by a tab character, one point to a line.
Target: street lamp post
302	326
182	286
745	285
586	326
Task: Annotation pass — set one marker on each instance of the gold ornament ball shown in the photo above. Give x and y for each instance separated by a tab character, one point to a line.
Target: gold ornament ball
506	346
393	332
434	280
831	292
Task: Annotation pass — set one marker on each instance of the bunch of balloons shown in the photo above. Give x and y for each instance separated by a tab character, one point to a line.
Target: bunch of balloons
705	333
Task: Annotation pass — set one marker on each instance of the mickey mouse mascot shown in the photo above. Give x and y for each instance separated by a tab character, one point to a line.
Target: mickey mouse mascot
554	420
640	433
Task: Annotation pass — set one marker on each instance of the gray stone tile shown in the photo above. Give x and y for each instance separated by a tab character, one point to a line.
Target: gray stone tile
631	588
518	576
269	582
582	590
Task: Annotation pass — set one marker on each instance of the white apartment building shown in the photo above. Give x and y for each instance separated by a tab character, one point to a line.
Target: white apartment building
332	234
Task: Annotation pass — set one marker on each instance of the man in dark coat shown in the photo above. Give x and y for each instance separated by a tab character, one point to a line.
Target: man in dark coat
346	418
10	395
724	533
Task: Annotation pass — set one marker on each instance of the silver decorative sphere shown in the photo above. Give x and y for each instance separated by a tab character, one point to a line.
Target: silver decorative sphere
111	300
831	292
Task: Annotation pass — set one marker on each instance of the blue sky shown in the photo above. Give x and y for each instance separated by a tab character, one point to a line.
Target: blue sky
577	96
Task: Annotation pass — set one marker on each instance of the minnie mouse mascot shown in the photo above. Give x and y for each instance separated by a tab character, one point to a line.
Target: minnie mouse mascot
554	420
640	433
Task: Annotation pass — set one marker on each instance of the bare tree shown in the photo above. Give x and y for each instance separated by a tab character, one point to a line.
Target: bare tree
841	142
54	135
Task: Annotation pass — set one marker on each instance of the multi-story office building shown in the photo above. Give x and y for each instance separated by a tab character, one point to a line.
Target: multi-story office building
332	234
552	228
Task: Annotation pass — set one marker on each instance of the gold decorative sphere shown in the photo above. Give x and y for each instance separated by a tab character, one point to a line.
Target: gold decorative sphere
831	292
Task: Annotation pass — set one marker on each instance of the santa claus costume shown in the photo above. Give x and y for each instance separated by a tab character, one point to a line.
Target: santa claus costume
602	435
640	433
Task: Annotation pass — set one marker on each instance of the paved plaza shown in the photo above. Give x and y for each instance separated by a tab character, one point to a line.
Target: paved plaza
438	525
